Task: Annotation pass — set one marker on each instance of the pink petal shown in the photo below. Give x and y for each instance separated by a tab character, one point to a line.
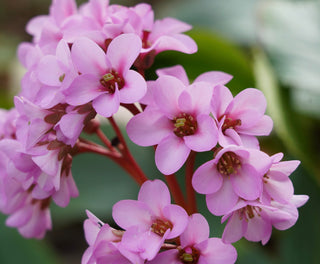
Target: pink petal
217	252
128	213
286	167
175	71
21	217
168	26
123	51
185	103
178	217
155	202
49	71
214	78
220	100
259	229
247	183
135	88
149	128
259	160
261	128
166	94
201	94
88	57
71	125
235	229
206	135
249	99
206	179
178	42
197	231
107	104
279	186
83	89
223	200
171	154
169	256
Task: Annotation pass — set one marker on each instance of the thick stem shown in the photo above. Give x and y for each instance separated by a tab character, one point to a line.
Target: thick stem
105	140
132	108
191	195
123	148
175	190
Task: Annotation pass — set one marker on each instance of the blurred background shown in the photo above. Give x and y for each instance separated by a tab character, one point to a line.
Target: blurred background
270	45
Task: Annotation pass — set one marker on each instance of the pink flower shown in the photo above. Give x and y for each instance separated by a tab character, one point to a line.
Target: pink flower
103	244
46	29
55	73
241	118
178	121
150	220
234	172
254	220
197	247
106	79
277	185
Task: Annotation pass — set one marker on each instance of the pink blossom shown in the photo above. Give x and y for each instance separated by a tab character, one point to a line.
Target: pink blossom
235	172
241	118
150	220
213	78
254	220
197	247
177	122
106	79
46	29
103	243
55	73
277	185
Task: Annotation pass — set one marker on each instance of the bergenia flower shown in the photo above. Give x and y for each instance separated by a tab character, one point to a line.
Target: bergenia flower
235	172
177	122
106	78
254	220
241	118
196	246
150	220
277	185
103	243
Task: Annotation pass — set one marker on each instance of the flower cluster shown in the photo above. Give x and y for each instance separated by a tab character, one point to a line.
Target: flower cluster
90	61
152	224
79	64
241	182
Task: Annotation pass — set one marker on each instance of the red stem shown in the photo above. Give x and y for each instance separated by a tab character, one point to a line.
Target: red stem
175	190
137	171
132	108
191	195
105	140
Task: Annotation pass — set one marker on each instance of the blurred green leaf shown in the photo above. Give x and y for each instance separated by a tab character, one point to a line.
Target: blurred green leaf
289	32
286	121
214	54
16	249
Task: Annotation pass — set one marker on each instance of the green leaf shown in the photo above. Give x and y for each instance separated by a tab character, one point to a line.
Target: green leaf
15	249
214	54
286	122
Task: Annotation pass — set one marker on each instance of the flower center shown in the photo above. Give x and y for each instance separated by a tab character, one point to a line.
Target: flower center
160	226
184	125
229	163
249	212
189	255
229	123
112	80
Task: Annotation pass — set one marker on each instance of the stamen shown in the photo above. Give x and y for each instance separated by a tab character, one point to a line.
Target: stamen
160	226
189	255
112	80
184	125
229	123
229	163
